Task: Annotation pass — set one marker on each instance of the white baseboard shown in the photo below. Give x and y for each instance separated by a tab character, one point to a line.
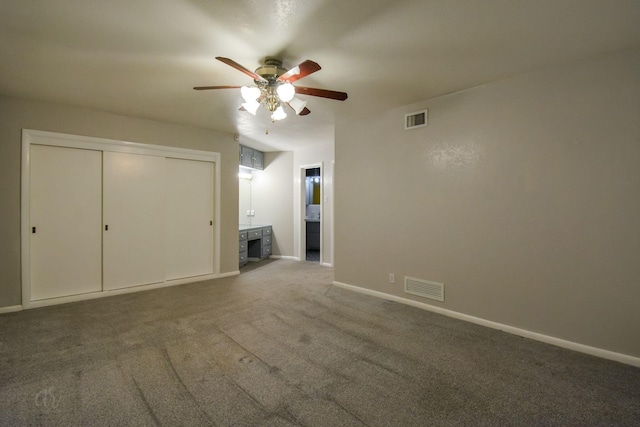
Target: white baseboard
292	258
94	295
108	293
593	351
229	274
295	258
10	309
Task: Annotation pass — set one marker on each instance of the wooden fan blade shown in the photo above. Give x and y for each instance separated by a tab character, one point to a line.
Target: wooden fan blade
234	64
323	93
300	71
304	111
216	87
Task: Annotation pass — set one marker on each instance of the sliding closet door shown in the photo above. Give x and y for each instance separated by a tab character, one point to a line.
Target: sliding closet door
189	220
65	210
134	215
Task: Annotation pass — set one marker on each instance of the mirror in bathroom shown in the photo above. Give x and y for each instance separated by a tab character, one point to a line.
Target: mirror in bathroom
313	185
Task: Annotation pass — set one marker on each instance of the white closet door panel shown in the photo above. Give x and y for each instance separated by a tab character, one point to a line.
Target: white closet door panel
134	214
189	229
65	205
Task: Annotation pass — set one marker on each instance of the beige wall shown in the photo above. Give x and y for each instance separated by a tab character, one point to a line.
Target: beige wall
16	114
275	198
272	198
522	196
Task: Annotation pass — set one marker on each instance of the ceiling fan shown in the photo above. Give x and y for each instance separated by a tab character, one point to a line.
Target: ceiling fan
274	87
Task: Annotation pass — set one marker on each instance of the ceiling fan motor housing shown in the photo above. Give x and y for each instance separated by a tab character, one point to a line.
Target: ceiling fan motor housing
271	69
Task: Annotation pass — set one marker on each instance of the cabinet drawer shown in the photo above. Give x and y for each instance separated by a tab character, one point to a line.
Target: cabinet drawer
255	233
266	251
243	246
266	240
266	231
243	235
243	257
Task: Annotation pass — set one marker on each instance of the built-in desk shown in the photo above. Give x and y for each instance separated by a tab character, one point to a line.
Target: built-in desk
255	243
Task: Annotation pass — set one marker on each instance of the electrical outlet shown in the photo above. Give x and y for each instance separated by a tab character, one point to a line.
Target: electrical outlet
392	278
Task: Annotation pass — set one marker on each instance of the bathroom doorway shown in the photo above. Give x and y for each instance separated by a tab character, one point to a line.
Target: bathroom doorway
313	213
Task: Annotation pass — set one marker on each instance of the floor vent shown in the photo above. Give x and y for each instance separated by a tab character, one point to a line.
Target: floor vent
422	288
415	120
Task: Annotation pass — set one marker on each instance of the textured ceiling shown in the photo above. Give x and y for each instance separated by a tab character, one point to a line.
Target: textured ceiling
142	57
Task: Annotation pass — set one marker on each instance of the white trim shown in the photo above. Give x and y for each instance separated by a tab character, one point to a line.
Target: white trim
30	136
293	258
229	274
332	205
10	309
108	293
593	351
302	236
216	215
103	144
25	220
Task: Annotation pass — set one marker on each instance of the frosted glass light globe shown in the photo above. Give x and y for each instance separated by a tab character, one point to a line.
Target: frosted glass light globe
251	106
279	114
250	93
286	92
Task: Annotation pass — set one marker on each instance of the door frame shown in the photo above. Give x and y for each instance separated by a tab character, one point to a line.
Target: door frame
302	209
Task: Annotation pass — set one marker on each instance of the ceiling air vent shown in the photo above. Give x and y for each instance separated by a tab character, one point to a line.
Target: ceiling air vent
415	120
422	288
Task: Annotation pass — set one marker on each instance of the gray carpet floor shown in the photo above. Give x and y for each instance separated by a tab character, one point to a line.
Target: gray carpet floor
278	345
313	255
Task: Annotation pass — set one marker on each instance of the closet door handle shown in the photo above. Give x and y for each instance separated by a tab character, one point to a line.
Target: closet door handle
106	227
33	230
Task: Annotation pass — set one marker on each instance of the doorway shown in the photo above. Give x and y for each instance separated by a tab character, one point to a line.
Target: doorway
313	213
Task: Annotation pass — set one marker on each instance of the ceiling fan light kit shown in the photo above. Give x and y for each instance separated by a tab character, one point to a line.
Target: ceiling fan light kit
279	114
286	92
274	87
298	105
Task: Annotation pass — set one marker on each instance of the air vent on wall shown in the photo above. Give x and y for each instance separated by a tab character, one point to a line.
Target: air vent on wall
415	120
423	288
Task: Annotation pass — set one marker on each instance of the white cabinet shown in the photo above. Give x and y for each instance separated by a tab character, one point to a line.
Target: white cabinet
109	218
134	220
189	218
65	219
